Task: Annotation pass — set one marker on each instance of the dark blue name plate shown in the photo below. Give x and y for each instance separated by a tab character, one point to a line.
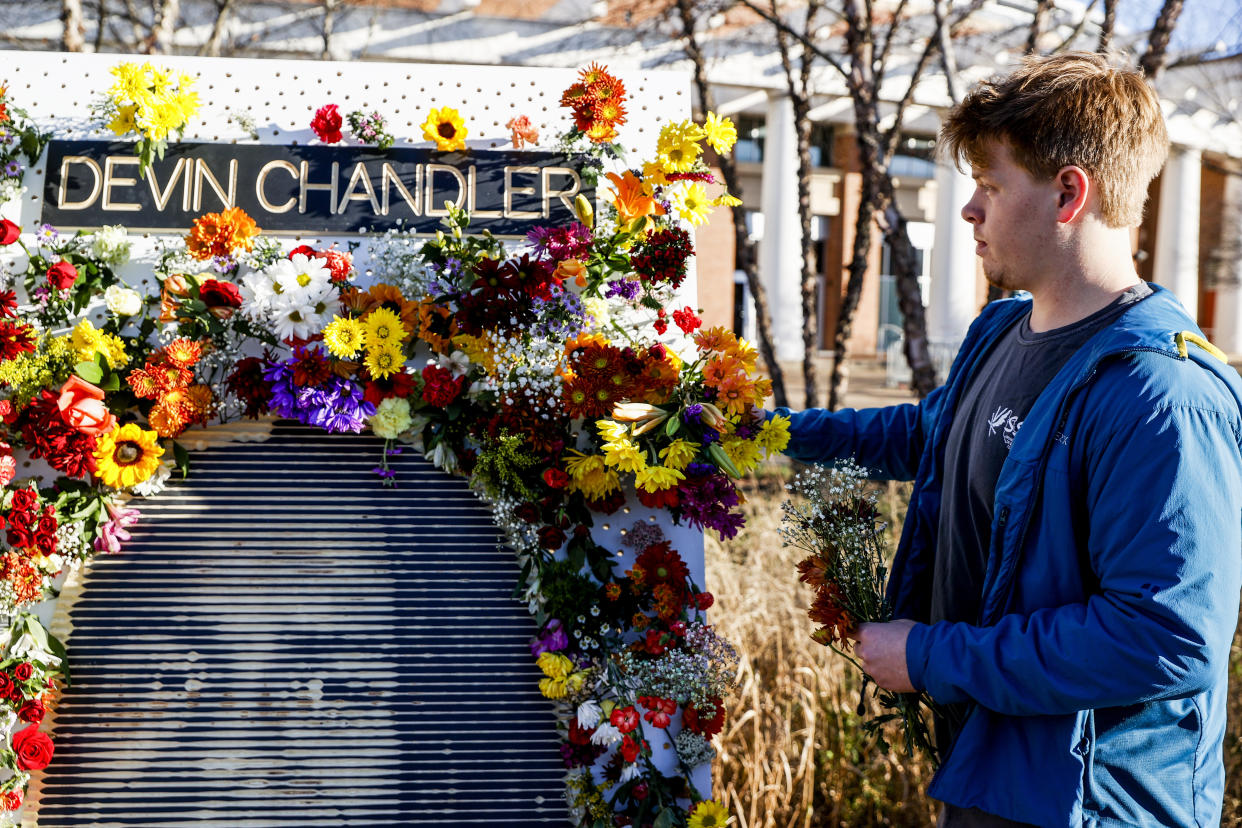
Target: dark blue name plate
307	189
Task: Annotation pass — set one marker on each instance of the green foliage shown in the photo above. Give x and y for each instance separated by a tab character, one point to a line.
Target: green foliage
502	465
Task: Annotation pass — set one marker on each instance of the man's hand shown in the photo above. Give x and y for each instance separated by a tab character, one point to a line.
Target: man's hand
882	650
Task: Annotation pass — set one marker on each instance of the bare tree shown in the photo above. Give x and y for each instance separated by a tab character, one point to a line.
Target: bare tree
330	8
160	40
689	14
74	37
1154	59
211	47
799	86
1106	28
1037	26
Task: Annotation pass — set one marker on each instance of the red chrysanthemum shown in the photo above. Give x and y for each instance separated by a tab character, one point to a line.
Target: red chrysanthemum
47	435
8	303
15	338
310	367
663	565
827	611
248	385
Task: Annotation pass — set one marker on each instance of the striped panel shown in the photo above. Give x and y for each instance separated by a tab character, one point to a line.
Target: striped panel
287	643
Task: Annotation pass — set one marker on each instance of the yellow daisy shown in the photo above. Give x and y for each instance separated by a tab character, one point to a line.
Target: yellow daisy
625	455
446	127
385	360
720	133
708	814
344	337
693	204
126	456
384	328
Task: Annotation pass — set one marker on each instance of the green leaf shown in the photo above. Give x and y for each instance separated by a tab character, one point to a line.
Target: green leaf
112	383
182	458
666	819
89	371
673	425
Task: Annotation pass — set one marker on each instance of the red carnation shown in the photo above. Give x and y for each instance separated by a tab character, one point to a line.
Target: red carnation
23	671
217	294
33	748
9	232
11	800
302	250
686	320
327	124
704	601
439	388
630	748
62	275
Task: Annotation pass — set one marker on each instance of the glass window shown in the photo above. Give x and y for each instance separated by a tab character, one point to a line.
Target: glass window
750	133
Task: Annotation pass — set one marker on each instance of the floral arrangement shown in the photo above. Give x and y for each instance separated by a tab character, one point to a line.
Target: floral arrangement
545	374
152	103
18	137
832	516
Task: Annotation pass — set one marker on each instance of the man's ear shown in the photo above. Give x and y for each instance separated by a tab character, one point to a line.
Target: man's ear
1074	190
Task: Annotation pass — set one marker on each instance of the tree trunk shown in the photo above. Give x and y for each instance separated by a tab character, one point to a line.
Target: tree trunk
161	36
1037	26
909	297
74	37
212	47
329	24
1106	28
1154	58
745	247
859	260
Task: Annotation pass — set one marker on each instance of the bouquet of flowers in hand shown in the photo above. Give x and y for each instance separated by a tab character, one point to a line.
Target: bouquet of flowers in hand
832	516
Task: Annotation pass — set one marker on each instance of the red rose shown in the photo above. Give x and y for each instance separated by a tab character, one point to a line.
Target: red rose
555	478
81	406
33	748
704	600
9	232
62	275
217	294
528	512
11	800
6	684
23	499
551	537
327	124
32	711
302	249
23	671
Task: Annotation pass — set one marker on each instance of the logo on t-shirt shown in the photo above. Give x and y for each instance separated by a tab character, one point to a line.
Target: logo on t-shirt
1006	422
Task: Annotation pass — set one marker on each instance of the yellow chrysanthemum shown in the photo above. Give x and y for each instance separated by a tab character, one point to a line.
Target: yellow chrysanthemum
720	132
625	455
87	341
678	454
580	466
384	361
446	127
557	670
124	122
692	204
726	200
114	351
344	337
708	814
384	328
677	148
611	430
774	434
479	350
657	478
126	456
744	453
131	80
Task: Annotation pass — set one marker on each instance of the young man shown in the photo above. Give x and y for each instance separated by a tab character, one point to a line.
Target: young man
1069	571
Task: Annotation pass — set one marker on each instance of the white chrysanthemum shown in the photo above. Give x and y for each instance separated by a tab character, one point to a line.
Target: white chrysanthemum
154	484
111	244
630	771
123	301
589	714
605	735
598	308
299	277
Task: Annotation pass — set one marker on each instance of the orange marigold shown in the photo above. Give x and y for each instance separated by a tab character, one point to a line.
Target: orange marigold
183	353
219	234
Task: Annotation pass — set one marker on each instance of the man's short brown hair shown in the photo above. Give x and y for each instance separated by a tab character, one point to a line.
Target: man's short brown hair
1070	109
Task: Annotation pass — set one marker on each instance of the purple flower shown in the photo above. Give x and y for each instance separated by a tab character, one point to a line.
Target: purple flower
337	405
13	169
707	500
624	288
552	639
693	413
112	533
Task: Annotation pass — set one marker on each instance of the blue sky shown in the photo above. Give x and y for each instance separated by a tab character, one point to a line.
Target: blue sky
1201	25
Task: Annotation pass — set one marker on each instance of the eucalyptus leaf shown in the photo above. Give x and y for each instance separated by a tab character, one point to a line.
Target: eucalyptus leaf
89	371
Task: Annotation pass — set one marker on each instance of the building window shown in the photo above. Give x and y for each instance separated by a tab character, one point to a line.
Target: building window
754	231
750	134
821	145
915	157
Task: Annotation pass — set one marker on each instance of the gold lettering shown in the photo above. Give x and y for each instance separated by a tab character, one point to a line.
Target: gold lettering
305	186
203	172
96	187
472	177
389	175
162	197
432	169
111	180
359	174
259	182
566	196
510	190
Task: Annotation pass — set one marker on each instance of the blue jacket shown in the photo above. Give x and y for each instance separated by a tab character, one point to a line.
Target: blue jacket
1096	677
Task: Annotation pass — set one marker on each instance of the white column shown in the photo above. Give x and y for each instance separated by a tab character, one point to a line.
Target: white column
779	250
1227	325
953	302
1177	228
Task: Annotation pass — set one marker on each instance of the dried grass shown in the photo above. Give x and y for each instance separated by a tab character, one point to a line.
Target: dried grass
792	754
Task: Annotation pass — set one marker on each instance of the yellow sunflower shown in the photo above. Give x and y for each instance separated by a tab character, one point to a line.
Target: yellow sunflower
126	456
708	814
446	127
